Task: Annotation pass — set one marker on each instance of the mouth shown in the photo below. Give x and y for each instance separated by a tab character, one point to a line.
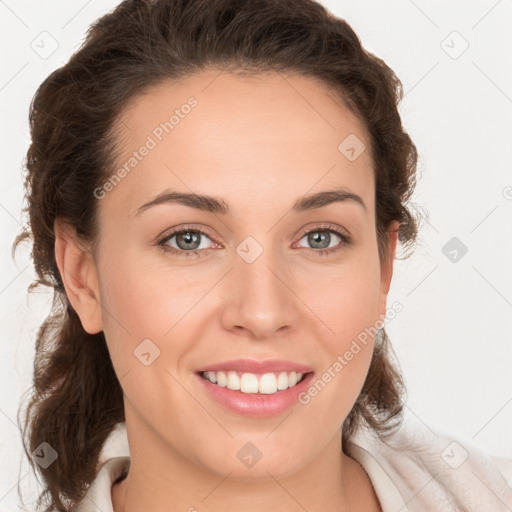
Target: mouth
254	387
253	383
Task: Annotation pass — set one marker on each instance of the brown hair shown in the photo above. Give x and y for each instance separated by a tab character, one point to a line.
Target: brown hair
76	397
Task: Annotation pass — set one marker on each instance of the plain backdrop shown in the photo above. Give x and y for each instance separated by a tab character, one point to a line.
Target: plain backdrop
453	337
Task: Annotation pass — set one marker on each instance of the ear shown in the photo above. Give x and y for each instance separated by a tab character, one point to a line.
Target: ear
386	269
79	276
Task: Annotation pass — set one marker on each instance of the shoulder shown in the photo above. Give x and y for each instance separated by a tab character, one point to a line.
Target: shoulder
435	469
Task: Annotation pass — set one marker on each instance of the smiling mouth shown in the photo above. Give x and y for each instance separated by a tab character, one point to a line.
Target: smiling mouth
251	383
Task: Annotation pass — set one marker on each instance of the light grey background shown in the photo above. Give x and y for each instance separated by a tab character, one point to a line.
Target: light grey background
453	338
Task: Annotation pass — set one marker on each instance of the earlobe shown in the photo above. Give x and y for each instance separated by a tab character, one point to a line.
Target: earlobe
79	276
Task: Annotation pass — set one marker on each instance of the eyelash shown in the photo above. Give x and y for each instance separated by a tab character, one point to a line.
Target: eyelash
346	241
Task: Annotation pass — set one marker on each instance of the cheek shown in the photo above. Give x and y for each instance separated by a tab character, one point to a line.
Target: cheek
349	309
128	300
347	301
345	298
147	301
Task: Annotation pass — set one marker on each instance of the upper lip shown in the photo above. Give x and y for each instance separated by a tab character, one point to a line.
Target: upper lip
257	366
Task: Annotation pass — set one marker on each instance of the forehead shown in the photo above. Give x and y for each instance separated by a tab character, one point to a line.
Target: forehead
253	139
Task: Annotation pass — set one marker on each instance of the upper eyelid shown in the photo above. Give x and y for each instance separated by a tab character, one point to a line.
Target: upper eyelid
327	226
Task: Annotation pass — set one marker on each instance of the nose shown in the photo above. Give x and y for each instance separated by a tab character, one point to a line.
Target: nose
259	298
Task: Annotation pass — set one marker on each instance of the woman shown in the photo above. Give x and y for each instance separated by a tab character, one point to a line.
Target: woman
216	193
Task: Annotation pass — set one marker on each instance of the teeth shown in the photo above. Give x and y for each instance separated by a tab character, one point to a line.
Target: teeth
221	379
267	384
282	381
249	383
233	381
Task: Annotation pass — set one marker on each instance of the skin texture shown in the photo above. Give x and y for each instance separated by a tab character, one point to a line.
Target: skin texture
259	143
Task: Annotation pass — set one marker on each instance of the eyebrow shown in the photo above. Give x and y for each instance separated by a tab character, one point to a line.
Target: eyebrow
219	206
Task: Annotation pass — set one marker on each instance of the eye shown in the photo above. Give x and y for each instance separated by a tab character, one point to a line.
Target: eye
321	238
185	242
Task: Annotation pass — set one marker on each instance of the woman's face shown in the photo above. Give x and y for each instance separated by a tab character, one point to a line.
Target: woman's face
269	288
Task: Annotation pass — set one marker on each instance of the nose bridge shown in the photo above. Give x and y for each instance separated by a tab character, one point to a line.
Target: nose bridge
261	300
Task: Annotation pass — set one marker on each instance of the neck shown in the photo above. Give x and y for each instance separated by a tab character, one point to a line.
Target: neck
162	479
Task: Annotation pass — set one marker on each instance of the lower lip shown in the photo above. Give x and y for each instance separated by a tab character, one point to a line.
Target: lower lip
255	404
